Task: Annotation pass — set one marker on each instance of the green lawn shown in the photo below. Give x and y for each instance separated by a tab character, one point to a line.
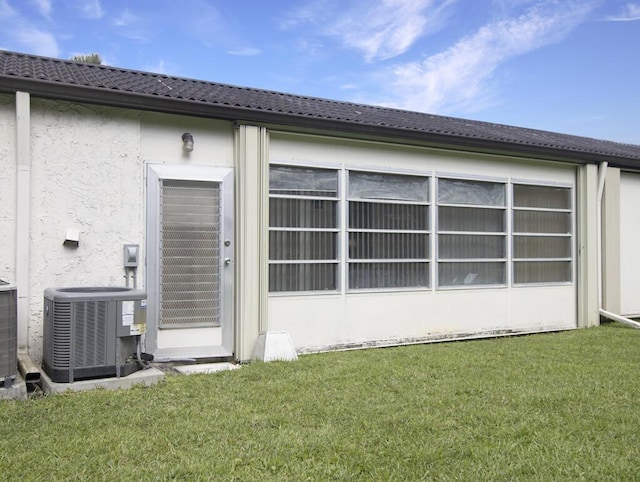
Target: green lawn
561	406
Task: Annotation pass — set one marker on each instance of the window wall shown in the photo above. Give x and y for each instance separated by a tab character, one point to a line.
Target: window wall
336	230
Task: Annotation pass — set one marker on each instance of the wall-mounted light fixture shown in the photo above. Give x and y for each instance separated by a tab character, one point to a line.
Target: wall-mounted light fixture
187	141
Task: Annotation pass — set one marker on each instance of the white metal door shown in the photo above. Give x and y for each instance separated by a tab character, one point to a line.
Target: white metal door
189	259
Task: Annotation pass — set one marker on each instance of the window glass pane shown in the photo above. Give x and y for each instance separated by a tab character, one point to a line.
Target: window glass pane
367	215
471	219
541	247
546	197
541	222
466	246
303	181
468	274
367	185
408	214
302	277
388	246
298	228
388	275
541	271
458	191
296	245
302	213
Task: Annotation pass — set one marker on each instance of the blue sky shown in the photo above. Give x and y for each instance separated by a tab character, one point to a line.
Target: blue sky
569	66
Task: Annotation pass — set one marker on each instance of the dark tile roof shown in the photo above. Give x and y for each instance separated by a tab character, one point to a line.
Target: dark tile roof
62	79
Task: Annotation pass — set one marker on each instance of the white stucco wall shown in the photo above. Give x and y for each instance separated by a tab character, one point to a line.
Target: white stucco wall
8	188
321	321
88	173
161	140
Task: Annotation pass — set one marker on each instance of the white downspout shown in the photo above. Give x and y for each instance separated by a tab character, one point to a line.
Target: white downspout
23	215
602	174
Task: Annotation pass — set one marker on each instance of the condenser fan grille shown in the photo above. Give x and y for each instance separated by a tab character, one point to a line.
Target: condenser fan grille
8	334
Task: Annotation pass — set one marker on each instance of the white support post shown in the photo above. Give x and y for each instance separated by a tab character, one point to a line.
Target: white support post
611	242
23	215
252	204
587	199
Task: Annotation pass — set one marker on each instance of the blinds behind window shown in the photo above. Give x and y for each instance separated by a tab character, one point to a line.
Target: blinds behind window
388	233
542	240
472	241
303	229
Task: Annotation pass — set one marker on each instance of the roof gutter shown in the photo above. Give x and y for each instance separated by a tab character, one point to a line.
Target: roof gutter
129	100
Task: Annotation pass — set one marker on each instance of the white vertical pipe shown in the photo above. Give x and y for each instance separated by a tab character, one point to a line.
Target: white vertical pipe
23	214
602	174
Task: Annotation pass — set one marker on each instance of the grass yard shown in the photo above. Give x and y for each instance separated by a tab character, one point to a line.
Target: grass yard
560	406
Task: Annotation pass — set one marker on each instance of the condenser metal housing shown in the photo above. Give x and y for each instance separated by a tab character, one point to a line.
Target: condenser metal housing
92	332
8	335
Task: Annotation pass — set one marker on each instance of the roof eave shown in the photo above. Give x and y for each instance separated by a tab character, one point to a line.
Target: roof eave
133	100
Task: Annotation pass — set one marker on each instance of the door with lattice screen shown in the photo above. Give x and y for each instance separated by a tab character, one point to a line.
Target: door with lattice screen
190	234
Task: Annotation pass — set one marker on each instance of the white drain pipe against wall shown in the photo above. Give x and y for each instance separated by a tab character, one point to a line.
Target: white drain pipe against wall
23	214
29	371
602	174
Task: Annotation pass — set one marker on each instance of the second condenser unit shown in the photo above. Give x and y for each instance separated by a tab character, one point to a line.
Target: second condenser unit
92	332
8	335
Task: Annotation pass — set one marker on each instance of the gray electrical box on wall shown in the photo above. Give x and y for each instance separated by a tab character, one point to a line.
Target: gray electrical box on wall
131	255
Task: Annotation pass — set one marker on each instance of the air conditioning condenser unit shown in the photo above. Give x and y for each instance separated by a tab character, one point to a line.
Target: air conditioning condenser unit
92	332
8	335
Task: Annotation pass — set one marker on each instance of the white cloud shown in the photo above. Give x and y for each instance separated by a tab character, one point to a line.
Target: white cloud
458	80
37	42
132	26
379	29
312	13
125	19
385	30
630	12
245	52
43	6
159	68
21	35
91	9
6	11
207	25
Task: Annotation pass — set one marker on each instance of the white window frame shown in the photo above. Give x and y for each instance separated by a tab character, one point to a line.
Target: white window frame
336	262
505	208
428	232
571	235
433	258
